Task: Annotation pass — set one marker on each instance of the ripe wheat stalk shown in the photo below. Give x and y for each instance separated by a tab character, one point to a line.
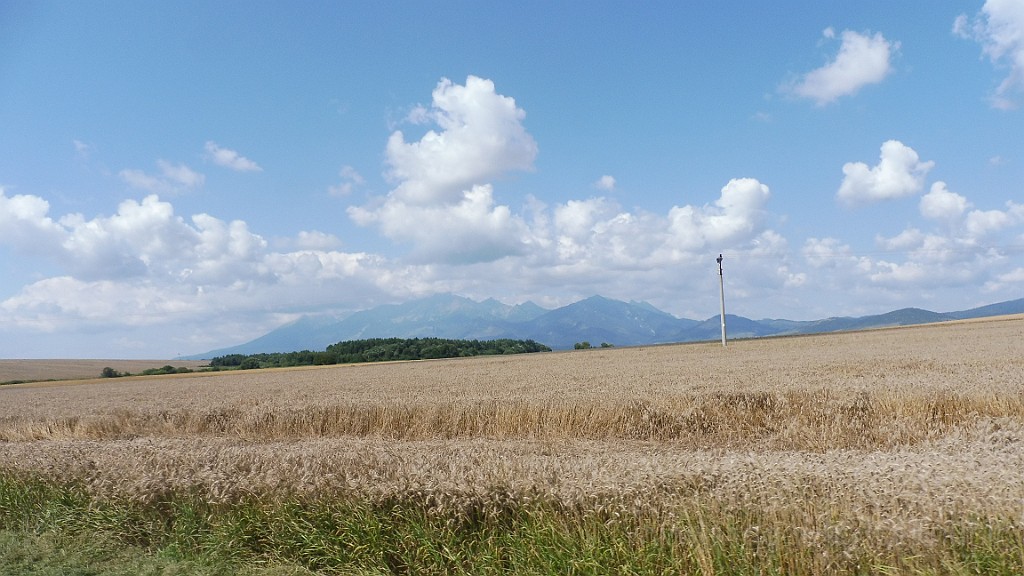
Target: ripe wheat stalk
882	440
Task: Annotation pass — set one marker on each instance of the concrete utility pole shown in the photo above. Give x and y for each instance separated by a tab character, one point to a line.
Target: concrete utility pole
721	293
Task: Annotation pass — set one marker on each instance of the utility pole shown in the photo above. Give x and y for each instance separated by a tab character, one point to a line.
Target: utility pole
721	293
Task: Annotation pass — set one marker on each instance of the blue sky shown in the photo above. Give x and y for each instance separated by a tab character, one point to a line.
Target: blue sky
181	176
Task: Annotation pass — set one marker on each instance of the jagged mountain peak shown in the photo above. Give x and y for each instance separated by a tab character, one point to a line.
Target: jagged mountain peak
596	319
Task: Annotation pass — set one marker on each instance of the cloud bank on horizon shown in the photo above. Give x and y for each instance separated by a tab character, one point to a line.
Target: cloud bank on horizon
153	279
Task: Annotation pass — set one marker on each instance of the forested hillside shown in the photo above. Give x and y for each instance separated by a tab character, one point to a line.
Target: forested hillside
380	350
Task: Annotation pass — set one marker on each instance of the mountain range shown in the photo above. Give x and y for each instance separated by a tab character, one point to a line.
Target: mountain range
596	320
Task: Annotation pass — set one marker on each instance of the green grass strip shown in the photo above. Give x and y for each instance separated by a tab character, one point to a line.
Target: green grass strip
345	535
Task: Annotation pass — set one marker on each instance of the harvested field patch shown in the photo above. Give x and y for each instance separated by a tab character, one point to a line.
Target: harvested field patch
42	370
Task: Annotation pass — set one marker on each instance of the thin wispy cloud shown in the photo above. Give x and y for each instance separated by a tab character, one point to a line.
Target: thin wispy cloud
82	149
606	183
229	158
171	179
350	179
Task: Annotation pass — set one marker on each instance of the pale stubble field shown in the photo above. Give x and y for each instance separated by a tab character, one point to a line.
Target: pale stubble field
42	370
877	444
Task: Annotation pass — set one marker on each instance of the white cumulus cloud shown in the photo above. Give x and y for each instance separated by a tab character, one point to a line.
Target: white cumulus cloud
144	265
863	59
25	224
734	217
898	174
960	250
481	137
597	234
968	226
443	202
474	229
941	204
999	28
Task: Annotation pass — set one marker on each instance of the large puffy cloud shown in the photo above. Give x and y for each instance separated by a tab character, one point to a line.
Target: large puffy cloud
581	247
941	204
598	233
960	250
899	173
141	239
481	137
863	59
909	263
969	226
140	236
965	246
62	301
472	230
145	265
734	217
443	203
999	28
442	207
26	225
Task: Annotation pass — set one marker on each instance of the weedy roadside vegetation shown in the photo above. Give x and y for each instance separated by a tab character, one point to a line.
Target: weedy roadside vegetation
892	451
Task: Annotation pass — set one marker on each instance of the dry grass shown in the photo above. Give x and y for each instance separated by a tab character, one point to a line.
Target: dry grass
39	370
871	441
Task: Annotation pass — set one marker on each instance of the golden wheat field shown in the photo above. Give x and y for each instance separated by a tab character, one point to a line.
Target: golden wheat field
876	440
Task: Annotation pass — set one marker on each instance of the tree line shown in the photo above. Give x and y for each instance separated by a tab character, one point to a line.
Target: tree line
379	350
109	372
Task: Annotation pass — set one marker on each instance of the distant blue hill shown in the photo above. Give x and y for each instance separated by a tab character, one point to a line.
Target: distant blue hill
902	317
595	320
603	320
998	309
736	327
